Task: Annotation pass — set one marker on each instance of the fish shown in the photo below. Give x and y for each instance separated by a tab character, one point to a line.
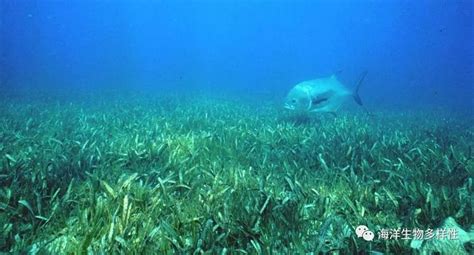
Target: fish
446	245
324	95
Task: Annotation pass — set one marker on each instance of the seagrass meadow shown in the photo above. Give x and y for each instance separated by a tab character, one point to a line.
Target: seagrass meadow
221	175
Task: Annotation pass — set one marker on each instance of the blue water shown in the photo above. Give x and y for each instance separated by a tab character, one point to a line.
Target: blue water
417	53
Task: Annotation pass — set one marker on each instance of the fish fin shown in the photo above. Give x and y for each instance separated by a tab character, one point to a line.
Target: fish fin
356	91
316	101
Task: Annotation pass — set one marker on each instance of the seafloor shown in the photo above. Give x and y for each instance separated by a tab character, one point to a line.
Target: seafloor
225	175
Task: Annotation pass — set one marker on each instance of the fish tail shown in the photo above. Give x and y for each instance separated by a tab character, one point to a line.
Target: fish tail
356	91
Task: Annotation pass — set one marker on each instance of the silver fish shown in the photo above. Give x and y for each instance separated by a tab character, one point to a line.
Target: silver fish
446	245
321	95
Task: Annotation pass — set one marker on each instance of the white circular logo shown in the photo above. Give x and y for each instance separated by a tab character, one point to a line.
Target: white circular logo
368	235
364	232
360	230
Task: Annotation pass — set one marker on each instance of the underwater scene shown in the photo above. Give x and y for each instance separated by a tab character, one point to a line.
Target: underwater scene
236	127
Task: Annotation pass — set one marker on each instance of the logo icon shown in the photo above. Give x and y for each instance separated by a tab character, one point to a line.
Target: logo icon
364	232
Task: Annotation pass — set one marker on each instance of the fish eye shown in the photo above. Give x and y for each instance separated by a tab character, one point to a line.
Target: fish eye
293	100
